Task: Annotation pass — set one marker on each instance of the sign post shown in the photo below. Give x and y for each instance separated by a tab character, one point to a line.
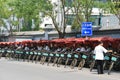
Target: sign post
86	29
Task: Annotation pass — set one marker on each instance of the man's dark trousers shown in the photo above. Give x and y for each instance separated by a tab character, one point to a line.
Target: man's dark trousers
99	66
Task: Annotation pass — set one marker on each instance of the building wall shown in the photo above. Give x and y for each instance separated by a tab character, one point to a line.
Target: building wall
99	33
110	21
111	33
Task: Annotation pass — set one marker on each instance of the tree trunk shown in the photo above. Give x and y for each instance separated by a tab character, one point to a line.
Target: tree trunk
61	35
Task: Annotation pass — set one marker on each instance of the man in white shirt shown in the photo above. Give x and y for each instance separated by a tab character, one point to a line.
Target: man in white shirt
99	56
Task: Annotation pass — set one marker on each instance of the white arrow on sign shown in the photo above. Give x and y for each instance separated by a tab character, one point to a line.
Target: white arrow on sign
86	32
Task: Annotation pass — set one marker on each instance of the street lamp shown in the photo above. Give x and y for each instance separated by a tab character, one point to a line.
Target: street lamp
33	24
100	16
99	19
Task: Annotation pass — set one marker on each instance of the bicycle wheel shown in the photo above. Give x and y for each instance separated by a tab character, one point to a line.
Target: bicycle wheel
75	63
33	58
41	60
58	62
66	62
104	65
0	55
44	59
81	64
92	65
110	68
7	55
29	58
55	60
49	61
19	57
37	57
72	64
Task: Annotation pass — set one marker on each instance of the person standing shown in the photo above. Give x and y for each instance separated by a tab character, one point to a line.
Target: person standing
99	56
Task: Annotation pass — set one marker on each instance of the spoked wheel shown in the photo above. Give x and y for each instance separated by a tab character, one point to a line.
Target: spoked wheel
104	65
19	57
49	61
11	55
37	58
110	68
66	62
29	58
25	57
44	59
59	62
0	55
81	64
73	64
41	60
15	56
7	55
33	58
55	60
92	65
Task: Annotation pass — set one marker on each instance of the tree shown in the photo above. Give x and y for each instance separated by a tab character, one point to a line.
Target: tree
29	10
77	11
58	14
114	8
5	13
82	10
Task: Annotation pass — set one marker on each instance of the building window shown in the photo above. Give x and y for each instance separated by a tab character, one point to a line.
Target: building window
70	19
48	25
68	3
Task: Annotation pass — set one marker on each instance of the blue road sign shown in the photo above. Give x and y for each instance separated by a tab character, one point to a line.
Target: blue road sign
86	29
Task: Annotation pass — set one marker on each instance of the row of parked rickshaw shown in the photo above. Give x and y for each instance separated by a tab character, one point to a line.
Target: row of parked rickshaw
67	56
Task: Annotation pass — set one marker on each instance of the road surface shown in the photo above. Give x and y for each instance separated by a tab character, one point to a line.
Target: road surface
19	70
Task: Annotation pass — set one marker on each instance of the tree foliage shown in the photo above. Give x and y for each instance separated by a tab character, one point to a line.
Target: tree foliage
82	10
4	9
59	9
114	8
28	10
5	13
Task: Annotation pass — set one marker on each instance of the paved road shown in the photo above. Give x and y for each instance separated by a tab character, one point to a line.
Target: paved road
18	70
